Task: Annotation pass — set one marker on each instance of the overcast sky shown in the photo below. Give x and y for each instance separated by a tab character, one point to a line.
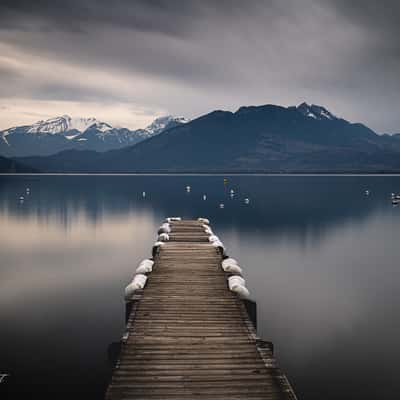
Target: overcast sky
128	61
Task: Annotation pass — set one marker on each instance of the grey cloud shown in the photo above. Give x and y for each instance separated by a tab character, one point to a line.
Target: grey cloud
205	54
7	74
64	92
380	16
77	16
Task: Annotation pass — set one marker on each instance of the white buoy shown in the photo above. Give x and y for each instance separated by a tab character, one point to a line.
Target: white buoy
164	228
163	237
367	192
213	238
138	282
232	268
172	219
143	194
28	190
145	267
237	284
188	188
231	265
218	244
232	191
246	200
242	291
221	205
235	280
204	197
229	260
21	198
208	230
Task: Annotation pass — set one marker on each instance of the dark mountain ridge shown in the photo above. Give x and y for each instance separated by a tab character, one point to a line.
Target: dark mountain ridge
266	138
9	166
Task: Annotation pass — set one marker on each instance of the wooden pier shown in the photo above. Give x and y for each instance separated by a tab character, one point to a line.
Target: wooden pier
188	336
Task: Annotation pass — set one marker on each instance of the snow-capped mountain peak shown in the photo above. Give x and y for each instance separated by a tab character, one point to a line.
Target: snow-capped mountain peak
315	111
64	133
162	123
65	123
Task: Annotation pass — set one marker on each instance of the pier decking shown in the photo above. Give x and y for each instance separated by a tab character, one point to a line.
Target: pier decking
188	336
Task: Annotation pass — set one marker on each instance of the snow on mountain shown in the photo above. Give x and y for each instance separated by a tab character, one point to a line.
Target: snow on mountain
315	111
66	123
63	133
162	123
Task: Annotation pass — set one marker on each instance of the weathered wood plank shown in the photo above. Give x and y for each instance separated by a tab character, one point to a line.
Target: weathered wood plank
189	336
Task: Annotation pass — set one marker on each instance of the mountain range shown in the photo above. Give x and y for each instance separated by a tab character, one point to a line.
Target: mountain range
268	138
66	133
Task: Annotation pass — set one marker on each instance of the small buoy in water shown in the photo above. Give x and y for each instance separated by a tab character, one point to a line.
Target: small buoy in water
204	197
225	181
367	192
188	188
21	198
221	205
143	194
246	200
28	190
232	191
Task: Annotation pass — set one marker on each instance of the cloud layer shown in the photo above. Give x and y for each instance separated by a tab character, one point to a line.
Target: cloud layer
133	60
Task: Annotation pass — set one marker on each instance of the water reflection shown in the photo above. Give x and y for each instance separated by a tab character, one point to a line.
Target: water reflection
320	259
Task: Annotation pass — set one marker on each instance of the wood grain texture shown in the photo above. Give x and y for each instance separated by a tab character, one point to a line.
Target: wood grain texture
188	336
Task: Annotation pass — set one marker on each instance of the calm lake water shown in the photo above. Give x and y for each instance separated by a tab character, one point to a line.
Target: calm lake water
321	259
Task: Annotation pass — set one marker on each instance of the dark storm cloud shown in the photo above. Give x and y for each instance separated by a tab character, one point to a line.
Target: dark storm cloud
168	17
171	39
380	21
198	55
377	15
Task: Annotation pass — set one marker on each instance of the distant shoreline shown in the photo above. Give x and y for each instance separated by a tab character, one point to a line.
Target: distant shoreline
202	174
